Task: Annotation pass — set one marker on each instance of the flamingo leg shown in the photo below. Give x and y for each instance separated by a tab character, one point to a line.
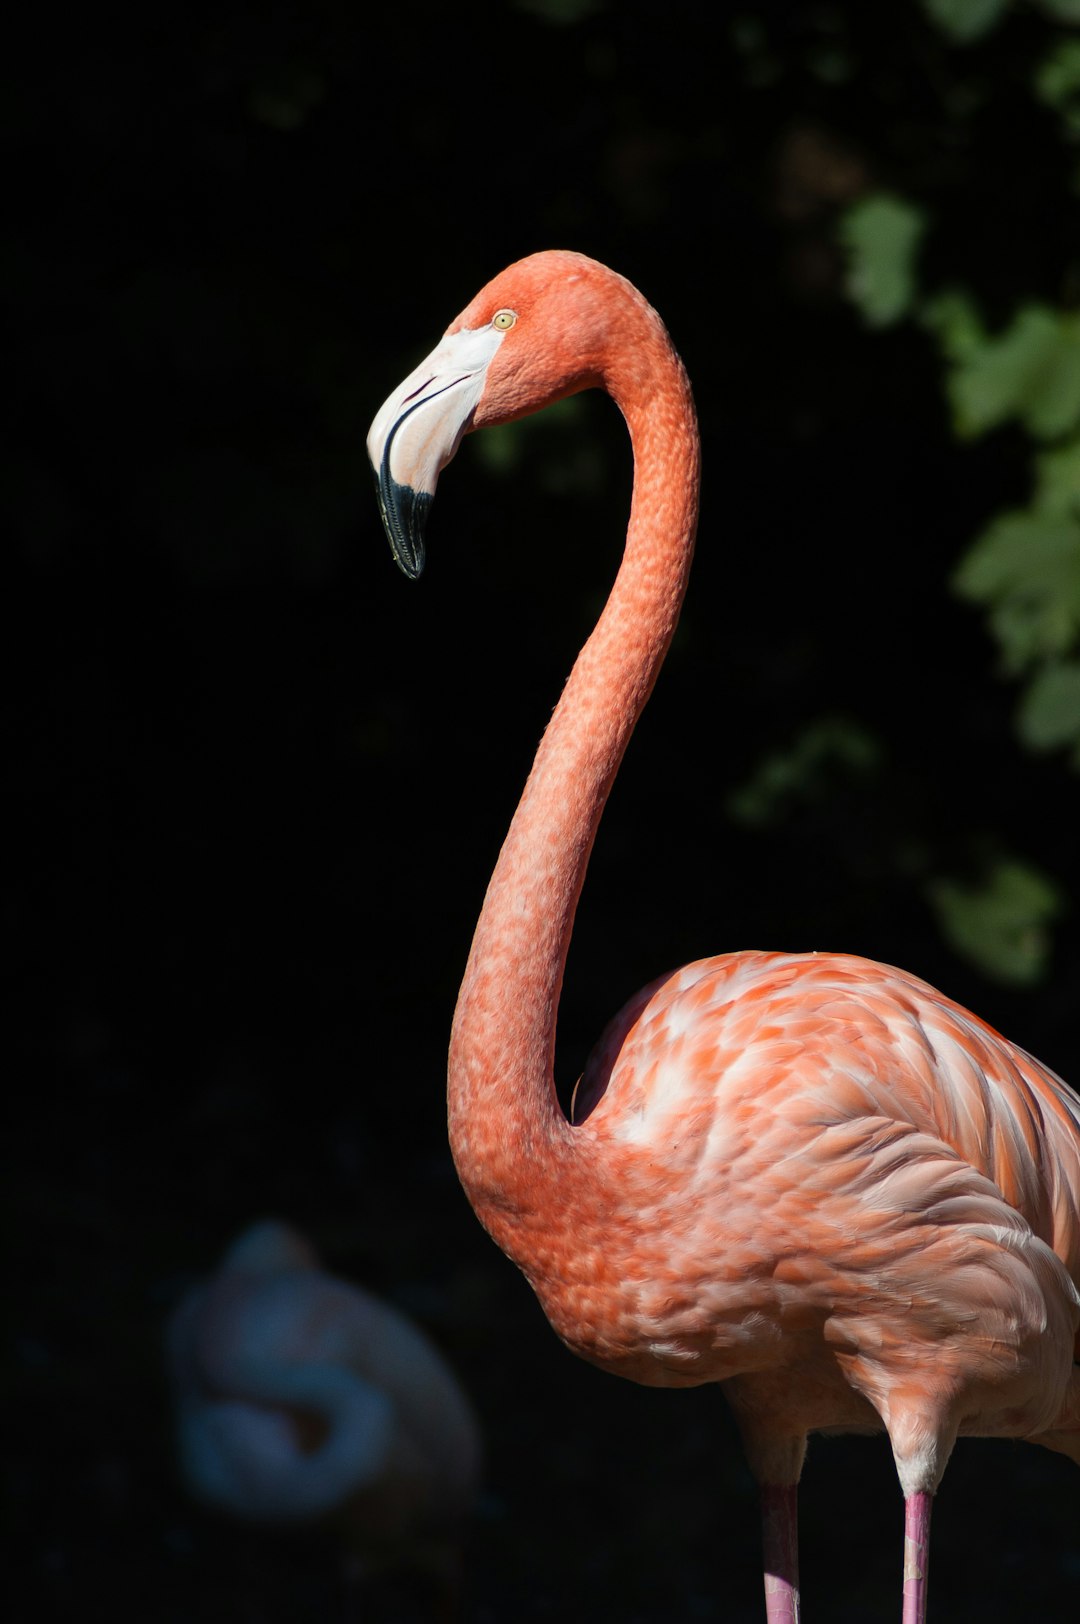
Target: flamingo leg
916	1556
780	1545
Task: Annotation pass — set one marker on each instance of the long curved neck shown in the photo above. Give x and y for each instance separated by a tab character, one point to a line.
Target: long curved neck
508	1134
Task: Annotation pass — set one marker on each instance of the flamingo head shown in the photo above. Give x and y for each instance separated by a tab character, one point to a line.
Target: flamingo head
546	327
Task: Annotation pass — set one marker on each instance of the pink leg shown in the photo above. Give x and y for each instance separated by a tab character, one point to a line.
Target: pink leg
916	1556
780	1540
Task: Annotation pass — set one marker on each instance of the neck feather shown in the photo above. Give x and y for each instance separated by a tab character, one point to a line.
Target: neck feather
508	1133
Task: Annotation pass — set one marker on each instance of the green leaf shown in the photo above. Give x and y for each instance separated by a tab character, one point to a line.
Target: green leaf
1000	923
882	235
1057	81
831	750
1066	11
1049	714
965	20
287	102
1025	568
565	462
1031	371
954	319
500	449
1057	480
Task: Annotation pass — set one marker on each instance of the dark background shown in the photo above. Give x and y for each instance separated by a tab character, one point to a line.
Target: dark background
261	780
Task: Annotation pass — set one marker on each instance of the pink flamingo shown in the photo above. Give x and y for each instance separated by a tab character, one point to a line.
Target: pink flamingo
809	1177
299	1396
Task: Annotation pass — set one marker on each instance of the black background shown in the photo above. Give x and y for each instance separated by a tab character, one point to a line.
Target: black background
261	780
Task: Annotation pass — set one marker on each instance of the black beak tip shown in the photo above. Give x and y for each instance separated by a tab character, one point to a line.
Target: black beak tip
404	516
411	565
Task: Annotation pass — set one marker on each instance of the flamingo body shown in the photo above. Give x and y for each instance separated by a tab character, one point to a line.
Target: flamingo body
809	1177
818	1162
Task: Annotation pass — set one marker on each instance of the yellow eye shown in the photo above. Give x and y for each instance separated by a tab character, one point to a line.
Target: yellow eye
502	319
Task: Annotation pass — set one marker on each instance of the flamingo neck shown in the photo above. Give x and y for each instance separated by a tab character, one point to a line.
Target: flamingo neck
509	1136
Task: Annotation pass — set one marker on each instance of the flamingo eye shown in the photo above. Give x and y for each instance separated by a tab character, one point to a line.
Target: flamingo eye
502	319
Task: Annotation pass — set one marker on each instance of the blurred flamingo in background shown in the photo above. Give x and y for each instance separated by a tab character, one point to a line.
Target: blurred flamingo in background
300	1396
809	1177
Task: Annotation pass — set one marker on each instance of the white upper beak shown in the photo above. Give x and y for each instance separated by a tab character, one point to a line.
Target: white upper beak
417	430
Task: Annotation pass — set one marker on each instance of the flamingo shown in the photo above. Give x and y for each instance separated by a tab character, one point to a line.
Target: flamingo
806	1176
298	1396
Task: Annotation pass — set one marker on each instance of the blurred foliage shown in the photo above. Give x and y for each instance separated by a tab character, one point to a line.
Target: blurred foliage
563	13
1057	83
881	235
965	20
1025	569
1030	372
563	459
1024	566
288	99
1000	922
1049	709
1064	11
830	751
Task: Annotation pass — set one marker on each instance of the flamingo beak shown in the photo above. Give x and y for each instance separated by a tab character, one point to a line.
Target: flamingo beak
417	430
